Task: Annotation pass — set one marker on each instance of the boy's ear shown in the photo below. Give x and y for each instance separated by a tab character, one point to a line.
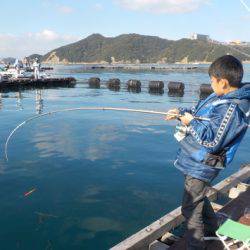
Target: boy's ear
224	83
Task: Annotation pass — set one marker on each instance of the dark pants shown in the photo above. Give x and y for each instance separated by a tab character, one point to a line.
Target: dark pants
198	212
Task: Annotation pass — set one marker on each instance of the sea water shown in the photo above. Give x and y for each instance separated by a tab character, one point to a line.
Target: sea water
96	176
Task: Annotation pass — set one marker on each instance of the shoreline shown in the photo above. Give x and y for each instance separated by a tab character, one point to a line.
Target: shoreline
129	64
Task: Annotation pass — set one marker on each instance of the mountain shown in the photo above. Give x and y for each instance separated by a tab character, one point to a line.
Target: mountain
123	48
202	51
12	60
34	56
7	60
133	48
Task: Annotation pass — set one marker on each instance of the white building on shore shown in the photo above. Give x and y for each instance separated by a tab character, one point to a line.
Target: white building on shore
196	36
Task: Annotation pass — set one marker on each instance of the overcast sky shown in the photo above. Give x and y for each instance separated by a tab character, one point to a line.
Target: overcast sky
37	26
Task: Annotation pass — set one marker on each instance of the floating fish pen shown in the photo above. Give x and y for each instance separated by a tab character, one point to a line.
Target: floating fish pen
28	69
205	90
176	89
134	85
160	234
156	85
94	82
143	67
47	68
114	84
45	83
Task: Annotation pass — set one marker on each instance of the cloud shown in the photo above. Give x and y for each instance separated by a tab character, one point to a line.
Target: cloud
98	145
48	35
65	9
98	6
29	43
106	136
161	6
245	18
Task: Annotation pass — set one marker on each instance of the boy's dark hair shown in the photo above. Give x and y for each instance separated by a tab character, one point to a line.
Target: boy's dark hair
227	67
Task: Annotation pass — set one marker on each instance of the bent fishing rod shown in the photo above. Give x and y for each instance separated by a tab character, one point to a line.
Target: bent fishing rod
86	109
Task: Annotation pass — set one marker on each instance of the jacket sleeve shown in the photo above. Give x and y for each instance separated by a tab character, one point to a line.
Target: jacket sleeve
190	110
193	109
226	122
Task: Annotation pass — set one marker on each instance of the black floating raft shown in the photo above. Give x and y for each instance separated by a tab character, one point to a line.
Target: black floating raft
133	84
176	86
176	89
205	90
94	82
114	83
27	83
47	68
156	86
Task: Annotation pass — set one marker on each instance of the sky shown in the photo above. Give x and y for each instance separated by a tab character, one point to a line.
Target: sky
38	26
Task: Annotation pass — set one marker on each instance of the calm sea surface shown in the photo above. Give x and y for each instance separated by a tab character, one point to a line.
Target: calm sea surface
98	176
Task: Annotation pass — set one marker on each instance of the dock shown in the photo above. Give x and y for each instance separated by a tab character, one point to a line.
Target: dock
159	235
28	83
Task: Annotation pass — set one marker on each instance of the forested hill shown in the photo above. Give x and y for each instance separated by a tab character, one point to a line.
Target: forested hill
134	48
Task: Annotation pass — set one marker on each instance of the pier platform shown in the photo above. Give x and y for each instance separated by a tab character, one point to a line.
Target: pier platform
27	83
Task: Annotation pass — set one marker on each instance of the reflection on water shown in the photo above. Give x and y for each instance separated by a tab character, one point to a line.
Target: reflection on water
156	91
19	100
98	145
114	88
99	176
99	224
176	94
39	101
134	90
1	103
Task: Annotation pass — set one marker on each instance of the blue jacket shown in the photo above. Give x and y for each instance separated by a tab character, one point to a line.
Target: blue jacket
210	145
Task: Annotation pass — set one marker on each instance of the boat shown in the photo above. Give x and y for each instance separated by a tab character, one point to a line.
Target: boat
160	234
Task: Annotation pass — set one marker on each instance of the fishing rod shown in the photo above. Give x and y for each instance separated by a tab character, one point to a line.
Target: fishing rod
90	108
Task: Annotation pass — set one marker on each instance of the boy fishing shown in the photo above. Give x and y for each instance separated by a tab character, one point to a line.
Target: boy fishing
209	145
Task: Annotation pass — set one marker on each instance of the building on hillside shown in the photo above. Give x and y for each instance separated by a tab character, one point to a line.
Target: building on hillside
201	37
239	43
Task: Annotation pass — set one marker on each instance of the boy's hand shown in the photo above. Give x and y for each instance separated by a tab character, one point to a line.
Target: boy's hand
172	114
186	118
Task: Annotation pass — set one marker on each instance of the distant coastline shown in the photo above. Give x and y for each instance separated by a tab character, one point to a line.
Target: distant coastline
138	49
129	64
141	49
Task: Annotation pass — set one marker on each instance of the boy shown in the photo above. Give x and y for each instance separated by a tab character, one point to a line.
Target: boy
208	145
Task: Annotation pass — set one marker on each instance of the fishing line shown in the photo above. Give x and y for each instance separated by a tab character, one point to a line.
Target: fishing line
86	108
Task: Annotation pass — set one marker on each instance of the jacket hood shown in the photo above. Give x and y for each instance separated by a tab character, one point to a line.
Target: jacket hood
242	93
243	96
